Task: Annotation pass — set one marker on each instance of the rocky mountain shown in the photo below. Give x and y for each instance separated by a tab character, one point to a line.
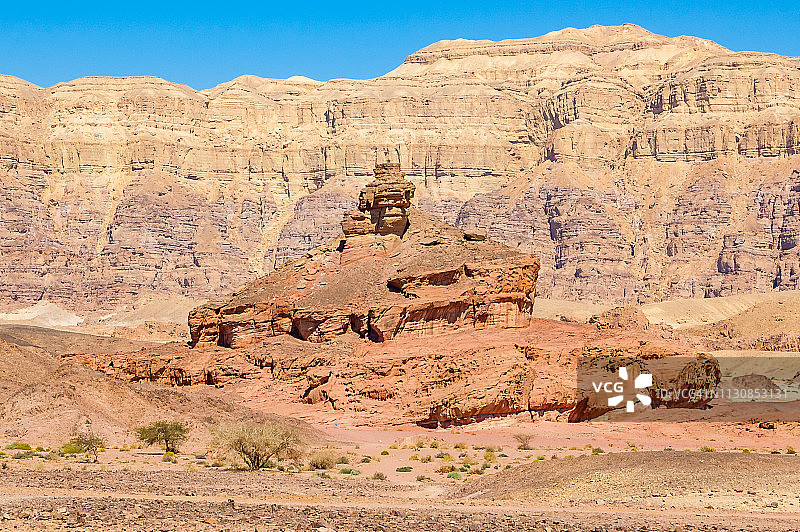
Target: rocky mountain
636	166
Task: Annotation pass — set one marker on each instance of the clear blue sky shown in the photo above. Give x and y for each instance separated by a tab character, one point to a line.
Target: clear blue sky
202	44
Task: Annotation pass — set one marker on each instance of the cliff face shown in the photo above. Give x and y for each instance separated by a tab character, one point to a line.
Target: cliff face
636	166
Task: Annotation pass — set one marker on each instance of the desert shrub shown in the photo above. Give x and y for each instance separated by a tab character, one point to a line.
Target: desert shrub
790	450
217	463
20	446
23	455
378	476
256	444
404	469
71	448
460	445
169	456
446	469
435	444
393	446
322	460
168	434
422	478
86	442
322	474
343	460
426	459
524	441
597	450
494	448
489	456
445	457
384	453
540	458
454	474
707	449
366	460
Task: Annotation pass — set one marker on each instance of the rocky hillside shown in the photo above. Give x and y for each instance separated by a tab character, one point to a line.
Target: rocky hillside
636	167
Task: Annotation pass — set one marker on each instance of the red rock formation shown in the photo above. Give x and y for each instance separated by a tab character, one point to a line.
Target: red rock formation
396	272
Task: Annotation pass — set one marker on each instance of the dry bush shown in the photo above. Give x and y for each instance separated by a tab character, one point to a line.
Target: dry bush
524	441
256	444
322	460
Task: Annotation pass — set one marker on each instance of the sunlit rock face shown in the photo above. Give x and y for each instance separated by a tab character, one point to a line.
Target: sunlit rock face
394	271
635	166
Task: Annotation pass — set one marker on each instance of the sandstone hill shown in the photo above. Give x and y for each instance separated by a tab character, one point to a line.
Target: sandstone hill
404	318
637	167
45	398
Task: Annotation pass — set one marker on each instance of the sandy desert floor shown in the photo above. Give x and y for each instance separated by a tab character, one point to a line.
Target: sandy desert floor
592	476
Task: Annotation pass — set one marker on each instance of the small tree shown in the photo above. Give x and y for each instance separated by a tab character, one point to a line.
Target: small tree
168	434
87	442
257	443
524	441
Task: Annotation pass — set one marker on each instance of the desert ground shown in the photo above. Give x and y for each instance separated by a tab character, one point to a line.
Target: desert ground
658	473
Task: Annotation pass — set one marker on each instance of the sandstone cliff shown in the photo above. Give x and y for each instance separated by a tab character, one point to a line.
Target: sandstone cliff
636	166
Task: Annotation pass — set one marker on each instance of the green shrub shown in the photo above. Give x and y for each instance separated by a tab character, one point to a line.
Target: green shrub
707	449
404	469
21	446
86	442
71	448
343	460
597	450
168	434
169	456
454	474
489	456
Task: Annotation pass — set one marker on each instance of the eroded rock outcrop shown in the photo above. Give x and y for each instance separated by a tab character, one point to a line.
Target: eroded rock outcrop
396	271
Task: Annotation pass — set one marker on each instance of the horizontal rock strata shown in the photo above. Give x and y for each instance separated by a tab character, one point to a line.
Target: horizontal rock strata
636	166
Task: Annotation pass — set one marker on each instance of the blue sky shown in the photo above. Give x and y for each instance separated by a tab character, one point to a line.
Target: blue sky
204	44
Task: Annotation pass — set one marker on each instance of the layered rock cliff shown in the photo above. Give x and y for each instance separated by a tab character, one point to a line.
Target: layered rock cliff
636	166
